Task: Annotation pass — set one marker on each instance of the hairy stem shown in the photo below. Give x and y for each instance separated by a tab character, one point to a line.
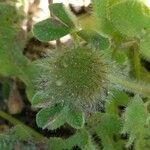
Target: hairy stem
132	86
137	65
15	121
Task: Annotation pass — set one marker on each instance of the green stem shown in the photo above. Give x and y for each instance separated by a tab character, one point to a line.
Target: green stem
136	63
15	121
131	85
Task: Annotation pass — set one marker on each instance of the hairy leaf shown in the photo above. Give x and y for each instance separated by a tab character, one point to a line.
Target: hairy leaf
128	18
135	119
12	62
106	127
47	117
75	118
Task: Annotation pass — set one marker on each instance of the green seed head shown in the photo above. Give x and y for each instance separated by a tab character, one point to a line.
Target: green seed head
76	76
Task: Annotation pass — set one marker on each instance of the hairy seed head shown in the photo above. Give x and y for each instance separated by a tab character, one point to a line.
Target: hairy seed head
77	76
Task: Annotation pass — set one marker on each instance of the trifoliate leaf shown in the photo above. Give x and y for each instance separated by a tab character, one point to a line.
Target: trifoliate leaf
50	29
62	13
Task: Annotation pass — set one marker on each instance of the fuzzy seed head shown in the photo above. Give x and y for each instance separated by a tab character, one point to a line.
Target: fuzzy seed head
76	76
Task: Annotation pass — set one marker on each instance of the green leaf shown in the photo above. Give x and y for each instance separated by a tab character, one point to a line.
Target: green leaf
95	39
47	116
50	29
53	117
39	99
58	120
62	13
135	119
6	57
12	43
110	124
12	61
75	118
108	128
145	46
101	13
116	99
128	18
